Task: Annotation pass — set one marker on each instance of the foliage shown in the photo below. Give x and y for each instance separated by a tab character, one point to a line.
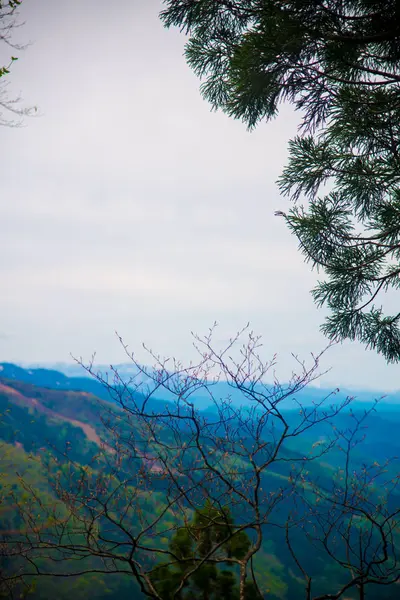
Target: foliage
174	497
338	64
353	232
11	110
192	543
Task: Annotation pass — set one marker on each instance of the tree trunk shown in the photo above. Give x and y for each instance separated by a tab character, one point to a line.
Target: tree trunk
361	591
242	581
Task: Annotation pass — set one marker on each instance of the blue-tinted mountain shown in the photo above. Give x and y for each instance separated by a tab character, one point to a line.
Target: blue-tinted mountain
74	373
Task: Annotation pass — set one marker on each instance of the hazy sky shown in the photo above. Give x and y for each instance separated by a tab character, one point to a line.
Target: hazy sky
127	205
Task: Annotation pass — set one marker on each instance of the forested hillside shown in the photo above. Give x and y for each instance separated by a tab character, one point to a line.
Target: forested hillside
50	436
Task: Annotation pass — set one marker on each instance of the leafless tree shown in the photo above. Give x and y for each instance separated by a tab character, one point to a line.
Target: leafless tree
161	461
12	110
352	520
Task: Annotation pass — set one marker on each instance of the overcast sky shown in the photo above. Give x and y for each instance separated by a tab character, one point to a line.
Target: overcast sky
127	205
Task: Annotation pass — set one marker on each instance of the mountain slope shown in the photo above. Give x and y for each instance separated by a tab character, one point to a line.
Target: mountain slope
75	373
38	420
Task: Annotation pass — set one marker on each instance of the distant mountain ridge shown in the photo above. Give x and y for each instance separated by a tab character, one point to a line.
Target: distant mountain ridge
73	376
71	397
48	378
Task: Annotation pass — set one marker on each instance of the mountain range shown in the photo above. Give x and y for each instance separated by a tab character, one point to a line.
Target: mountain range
68	375
44	411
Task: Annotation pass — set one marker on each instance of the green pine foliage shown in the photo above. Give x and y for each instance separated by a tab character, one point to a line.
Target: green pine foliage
338	63
203	541
353	232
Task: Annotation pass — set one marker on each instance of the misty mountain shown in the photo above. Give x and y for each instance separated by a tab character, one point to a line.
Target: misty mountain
73	374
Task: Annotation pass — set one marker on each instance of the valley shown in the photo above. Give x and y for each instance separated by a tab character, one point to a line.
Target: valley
45	429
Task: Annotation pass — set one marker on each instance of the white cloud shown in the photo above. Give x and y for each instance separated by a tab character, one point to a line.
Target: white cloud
129	205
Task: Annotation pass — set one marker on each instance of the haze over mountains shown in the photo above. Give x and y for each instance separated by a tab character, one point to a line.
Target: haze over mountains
43	411
221	390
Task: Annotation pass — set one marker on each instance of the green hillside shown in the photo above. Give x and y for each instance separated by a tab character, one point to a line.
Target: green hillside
50	438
